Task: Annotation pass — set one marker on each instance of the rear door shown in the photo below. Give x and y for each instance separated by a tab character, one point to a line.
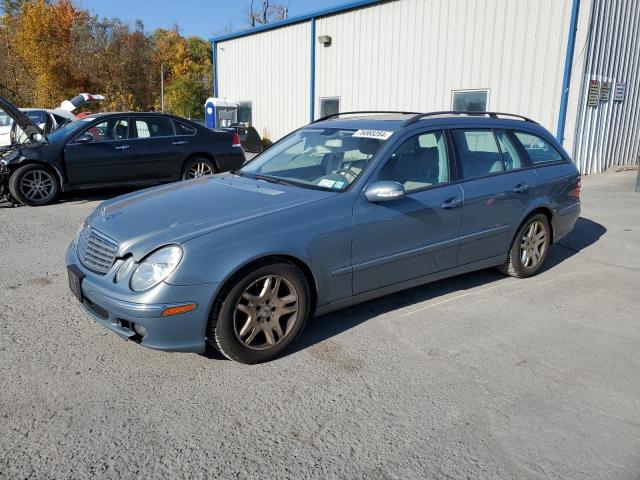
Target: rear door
104	160
158	153
497	183
417	235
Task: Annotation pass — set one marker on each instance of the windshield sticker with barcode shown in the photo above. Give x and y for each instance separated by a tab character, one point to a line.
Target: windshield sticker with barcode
379	134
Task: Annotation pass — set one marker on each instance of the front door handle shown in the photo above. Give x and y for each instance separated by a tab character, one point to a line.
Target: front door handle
521	188
123	147
453	202
180	142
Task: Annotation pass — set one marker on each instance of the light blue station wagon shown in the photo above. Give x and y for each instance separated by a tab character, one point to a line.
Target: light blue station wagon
341	211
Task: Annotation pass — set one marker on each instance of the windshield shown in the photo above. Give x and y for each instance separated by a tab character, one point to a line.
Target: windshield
326	158
39	117
69	128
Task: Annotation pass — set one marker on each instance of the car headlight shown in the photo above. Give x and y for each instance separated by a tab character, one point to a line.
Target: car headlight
124	269
156	267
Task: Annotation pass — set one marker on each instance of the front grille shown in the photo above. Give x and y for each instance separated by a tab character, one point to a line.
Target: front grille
96	251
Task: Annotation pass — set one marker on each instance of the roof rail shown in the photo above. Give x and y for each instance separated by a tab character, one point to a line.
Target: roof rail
363	111
420	116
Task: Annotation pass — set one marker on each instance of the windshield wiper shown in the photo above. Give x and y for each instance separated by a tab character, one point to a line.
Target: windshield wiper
269	179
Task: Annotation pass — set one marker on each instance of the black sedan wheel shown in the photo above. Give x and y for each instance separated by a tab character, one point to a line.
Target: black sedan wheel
198	167
34	185
261	314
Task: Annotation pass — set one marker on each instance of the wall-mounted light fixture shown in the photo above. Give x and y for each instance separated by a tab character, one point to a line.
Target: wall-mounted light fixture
325	40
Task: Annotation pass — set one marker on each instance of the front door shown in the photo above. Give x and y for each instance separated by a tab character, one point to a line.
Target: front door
497	184
106	159
417	235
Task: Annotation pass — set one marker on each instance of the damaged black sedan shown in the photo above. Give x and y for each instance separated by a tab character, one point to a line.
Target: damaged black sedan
110	150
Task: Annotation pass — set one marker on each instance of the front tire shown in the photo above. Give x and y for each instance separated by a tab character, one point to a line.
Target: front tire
197	167
34	185
261	314
529	248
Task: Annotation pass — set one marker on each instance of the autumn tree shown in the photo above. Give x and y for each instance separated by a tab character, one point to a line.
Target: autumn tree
51	50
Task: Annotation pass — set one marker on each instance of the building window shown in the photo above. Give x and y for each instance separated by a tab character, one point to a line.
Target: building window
329	106
469	100
244	112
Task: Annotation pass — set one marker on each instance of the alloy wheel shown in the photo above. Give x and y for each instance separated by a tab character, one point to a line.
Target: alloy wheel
37	186
199	169
533	244
266	312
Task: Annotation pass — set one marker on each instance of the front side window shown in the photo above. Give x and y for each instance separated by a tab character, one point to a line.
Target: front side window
325	158
150	127
419	162
478	152
110	130
469	100
539	151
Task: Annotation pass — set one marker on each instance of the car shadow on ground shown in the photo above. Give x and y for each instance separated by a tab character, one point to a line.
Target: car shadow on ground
585	233
81	197
97	195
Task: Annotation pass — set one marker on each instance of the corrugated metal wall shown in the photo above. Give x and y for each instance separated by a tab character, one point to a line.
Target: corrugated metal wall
609	133
405	54
411	54
271	70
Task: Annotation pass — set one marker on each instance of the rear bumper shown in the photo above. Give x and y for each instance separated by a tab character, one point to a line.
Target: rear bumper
564	220
231	161
123	313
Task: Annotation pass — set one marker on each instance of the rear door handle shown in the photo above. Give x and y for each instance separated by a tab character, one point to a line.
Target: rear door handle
454	202
521	188
180	142
123	147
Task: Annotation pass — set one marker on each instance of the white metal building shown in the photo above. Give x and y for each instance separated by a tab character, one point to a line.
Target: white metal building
572	65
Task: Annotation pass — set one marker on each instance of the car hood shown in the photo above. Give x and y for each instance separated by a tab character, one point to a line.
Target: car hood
21	119
142	221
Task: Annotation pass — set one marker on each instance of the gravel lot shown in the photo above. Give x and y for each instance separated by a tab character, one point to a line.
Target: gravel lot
479	376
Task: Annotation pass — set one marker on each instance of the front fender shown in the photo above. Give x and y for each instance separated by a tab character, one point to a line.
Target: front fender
42	155
317	235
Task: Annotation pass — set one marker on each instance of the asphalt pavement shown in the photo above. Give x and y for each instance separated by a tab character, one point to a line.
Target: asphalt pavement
479	376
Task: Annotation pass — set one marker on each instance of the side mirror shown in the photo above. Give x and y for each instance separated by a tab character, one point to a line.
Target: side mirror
84	138
384	191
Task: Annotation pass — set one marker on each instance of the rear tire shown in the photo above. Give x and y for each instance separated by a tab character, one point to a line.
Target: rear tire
260	314
197	167
529	248
34	185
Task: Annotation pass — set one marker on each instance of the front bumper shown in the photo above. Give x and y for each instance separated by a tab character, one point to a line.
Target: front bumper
121	311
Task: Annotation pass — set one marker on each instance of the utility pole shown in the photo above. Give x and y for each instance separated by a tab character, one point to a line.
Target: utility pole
162	87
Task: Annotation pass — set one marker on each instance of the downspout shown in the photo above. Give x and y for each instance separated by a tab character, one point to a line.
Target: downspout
215	69
312	73
568	64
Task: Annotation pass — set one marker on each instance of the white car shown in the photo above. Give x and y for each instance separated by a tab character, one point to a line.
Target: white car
47	119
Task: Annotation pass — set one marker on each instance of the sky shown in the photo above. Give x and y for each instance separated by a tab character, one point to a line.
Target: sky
205	18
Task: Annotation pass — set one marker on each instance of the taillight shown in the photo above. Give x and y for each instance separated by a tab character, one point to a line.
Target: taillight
575	192
236	140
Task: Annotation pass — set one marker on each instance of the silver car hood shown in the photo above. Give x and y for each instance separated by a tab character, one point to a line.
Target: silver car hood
142	221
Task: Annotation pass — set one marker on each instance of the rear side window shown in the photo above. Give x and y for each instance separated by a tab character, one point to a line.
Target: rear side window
478	152
509	150
184	129
539	150
150	127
